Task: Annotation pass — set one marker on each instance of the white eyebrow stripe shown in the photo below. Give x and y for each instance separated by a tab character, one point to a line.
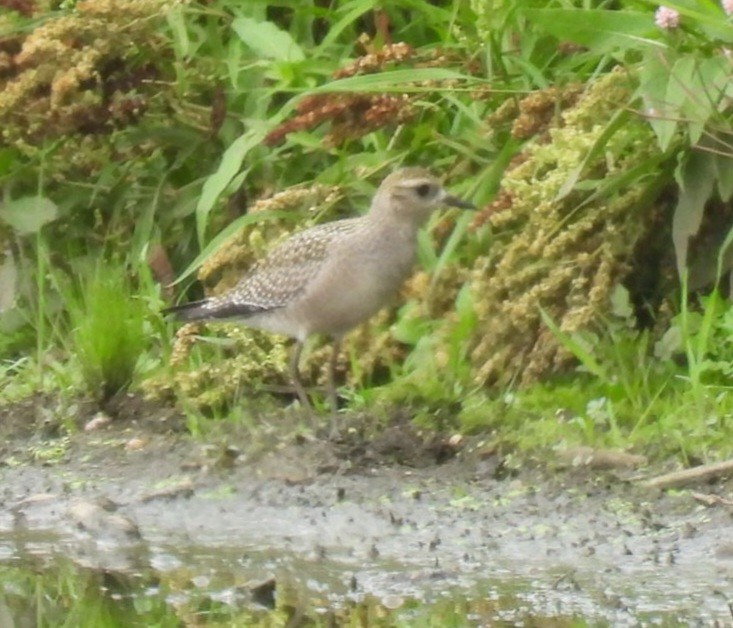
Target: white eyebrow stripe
416	182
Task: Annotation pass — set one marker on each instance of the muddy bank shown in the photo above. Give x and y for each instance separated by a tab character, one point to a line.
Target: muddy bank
330	521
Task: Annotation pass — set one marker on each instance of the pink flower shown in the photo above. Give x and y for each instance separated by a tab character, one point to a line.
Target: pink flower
728	7
667	18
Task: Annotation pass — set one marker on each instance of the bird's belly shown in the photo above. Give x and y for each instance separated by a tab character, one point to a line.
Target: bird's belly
278	321
348	294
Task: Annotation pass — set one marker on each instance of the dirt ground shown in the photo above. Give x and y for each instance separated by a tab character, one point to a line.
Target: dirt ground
399	516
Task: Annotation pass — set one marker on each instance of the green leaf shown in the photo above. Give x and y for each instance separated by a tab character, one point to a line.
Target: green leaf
353	11
724	176
426	255
725	256
686	102
709	88
177	23
28	214
621	302
8	159
669	344
655	76
396	80
712	81
574	345
599	30
267	40
700	86
682	76
465	310
447	254
695	175
230	164
8	282
410	328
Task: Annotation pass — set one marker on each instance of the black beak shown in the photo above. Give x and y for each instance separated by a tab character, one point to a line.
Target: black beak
454	201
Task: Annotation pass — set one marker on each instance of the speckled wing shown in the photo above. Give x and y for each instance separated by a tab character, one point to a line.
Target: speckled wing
282	275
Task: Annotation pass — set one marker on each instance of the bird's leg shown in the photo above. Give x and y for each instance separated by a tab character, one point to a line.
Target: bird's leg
295	374
332	396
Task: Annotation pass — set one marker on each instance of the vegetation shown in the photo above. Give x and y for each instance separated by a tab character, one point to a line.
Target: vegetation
147	142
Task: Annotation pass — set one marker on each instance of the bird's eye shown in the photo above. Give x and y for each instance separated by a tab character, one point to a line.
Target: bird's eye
424	190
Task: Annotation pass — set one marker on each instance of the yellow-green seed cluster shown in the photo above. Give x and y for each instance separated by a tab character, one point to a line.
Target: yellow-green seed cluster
555	251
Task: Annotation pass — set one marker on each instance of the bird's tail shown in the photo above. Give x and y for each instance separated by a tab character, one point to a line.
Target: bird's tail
214	310
194	311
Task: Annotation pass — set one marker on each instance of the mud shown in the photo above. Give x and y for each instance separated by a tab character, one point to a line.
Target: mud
333	520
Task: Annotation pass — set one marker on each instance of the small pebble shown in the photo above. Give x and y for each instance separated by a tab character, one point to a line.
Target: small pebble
135	444
98	421
456	440
393	602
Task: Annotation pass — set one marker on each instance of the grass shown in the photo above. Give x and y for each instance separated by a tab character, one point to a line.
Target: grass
107	330
664	398
99	332
555	415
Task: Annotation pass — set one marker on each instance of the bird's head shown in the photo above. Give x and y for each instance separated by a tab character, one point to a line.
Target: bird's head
413	193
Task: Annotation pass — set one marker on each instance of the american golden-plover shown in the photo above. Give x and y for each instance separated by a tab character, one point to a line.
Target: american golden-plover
331	277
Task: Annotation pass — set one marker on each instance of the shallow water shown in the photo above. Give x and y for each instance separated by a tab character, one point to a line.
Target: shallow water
199	586
162	537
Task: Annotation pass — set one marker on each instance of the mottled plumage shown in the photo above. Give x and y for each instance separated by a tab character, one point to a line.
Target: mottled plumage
274	281
331	277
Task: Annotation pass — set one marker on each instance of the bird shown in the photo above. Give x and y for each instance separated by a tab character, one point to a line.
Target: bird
331	277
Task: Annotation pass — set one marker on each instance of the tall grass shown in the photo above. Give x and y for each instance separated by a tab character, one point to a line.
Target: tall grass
106	334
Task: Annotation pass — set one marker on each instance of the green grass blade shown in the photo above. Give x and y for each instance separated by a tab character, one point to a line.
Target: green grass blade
574	347
230	164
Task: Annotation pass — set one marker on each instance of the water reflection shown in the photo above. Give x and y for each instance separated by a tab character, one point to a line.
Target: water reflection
45	588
